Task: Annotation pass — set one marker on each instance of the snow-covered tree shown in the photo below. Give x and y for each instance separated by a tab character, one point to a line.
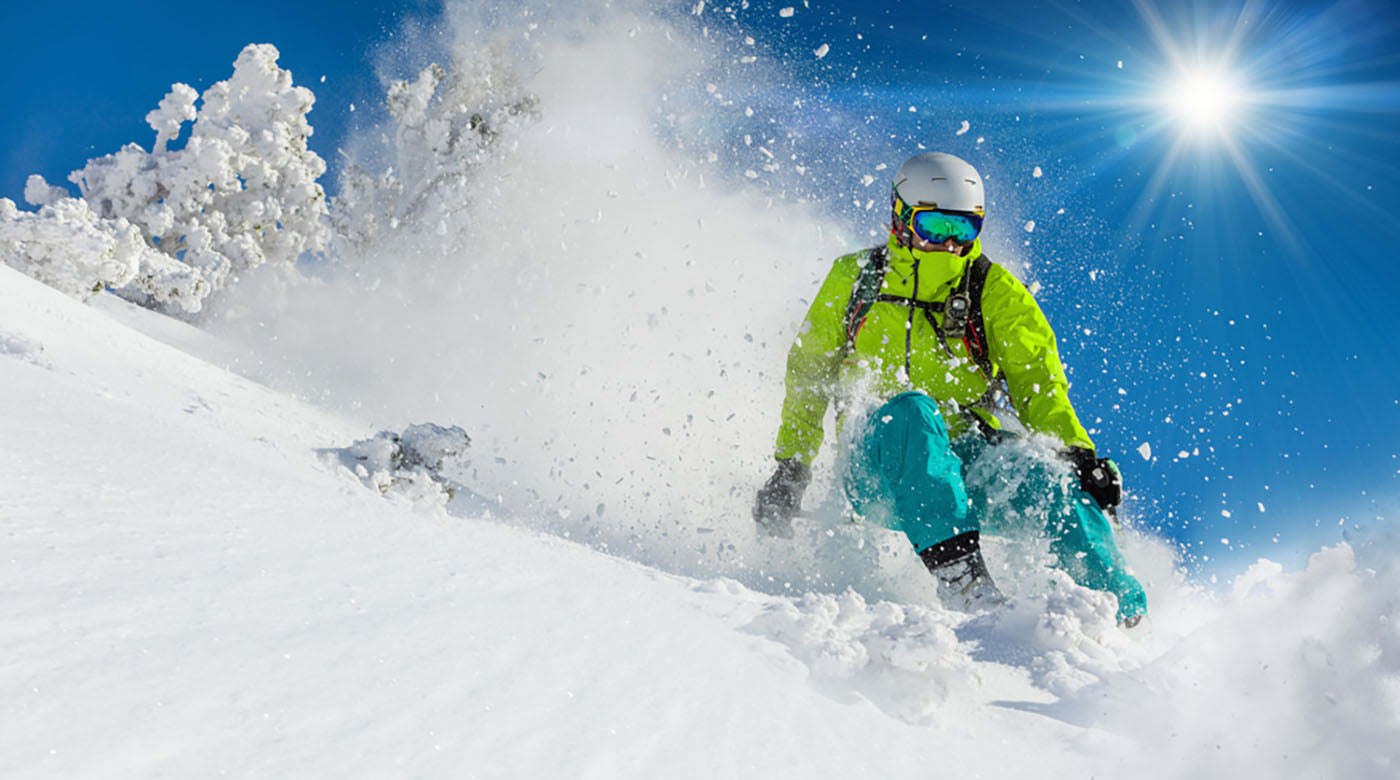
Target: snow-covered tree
166	228
240	193
446	121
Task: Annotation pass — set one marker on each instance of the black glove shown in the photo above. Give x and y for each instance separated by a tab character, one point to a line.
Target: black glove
1099	477
780	498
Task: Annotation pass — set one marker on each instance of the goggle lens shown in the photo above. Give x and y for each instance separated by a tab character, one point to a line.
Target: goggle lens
938	226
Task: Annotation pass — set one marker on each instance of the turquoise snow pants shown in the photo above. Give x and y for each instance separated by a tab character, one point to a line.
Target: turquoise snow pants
904	471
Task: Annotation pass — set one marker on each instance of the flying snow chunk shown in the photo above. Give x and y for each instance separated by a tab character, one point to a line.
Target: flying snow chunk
786	12
822	50
1037	173
1029	227
1145	450
964	128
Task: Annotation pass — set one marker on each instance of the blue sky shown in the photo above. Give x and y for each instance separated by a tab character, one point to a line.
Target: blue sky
1227	292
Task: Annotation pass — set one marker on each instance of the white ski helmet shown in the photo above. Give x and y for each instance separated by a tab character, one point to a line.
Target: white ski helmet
941	181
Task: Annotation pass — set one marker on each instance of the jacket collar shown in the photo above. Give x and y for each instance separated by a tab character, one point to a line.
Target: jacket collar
934	267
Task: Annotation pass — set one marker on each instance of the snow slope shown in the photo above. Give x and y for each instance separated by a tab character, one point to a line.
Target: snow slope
190	587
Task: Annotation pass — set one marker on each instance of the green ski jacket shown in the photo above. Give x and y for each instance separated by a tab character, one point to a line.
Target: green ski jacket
897	349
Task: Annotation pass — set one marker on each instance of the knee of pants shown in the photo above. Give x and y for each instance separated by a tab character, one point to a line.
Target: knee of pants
906	454
906	441
910	410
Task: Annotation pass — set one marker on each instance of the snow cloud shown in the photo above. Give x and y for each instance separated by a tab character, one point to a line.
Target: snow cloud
602	307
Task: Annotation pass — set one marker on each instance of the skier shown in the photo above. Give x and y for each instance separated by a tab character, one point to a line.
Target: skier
912	339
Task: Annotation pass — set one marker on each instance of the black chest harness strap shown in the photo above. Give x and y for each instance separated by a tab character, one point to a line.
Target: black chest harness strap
962	320
961	310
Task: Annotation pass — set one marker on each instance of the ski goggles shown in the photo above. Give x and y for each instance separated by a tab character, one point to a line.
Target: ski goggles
936	226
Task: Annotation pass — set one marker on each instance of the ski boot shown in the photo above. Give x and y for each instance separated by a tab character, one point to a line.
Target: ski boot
964	584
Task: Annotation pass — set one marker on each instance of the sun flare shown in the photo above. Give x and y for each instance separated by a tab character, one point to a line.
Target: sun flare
1204	99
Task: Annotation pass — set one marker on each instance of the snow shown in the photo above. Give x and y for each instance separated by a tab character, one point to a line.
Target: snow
417	464
190	590
38	192
196	585
66	245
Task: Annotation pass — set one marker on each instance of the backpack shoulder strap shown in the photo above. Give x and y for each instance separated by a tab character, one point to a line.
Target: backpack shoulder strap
975	280
866	290
997	398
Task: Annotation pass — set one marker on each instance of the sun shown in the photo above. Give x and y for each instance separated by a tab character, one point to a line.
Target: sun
1204	99
1215	99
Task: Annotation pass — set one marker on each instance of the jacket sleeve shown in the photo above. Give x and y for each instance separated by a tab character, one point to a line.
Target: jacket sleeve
1023	345
813	363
